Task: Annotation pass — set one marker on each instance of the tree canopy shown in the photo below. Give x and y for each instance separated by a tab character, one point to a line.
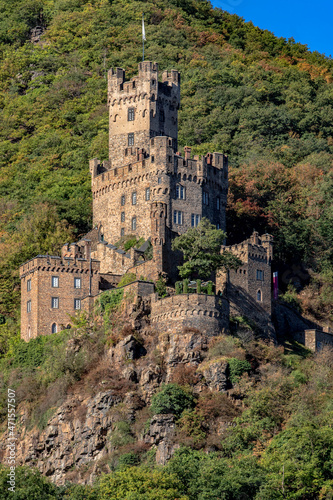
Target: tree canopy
201	248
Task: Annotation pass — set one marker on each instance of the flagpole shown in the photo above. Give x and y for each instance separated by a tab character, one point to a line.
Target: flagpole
143	38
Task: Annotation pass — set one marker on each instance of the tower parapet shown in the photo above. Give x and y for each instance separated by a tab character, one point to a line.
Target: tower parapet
140	109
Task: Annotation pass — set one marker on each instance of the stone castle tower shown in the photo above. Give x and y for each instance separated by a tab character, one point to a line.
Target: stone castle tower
144	166
145	189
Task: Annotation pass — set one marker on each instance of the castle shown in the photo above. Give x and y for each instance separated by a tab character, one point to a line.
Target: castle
148	190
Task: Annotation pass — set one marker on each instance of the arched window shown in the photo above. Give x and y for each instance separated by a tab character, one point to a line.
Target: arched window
29	332
134	224
54	328
134	198
259	296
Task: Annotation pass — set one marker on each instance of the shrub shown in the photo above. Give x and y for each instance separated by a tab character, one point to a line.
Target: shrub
291	298
128	460
237	368
127	279
185	374
171	399
121	435
109	300
161	287
191	425
210	288
216	404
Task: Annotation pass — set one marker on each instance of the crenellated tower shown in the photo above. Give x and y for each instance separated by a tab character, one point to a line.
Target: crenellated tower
140	109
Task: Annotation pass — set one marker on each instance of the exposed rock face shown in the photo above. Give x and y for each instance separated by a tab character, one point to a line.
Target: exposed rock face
128	349
216	375
78	441
36	34
75	435
161	431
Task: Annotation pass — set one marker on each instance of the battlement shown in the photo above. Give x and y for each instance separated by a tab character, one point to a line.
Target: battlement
256	248
53	263
207	313
137	86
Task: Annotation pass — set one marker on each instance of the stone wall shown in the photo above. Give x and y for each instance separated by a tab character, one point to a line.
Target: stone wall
207	313
204	182
254	276
313	339
40	272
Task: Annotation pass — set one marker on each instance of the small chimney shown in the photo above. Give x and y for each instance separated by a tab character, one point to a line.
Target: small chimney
187	152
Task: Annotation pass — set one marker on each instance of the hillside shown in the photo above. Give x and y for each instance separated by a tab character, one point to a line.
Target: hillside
112	409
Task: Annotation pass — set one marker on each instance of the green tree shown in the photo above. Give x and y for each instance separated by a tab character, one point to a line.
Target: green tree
171	399
201	247
29	485
138	483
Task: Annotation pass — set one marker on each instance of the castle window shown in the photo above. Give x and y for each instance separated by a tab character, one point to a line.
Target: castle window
130	115
29	285
205	198
55	282
130	139
54	328
29	306
122	232
217	203
134	224
77	304
134	198
195	219
55	302
152	159
259	297
122	200
159	180
180	192
260	275
217	226
153	82
178	217
147	194
77	282
122	217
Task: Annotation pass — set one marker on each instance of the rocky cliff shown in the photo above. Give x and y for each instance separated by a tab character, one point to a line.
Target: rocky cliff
106	414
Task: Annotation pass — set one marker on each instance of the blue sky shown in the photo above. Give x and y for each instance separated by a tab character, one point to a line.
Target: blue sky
308	22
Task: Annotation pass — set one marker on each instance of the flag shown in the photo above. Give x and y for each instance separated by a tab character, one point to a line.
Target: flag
275	285
143	29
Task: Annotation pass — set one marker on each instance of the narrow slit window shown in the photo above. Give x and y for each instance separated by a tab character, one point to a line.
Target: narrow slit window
130	139
130	114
